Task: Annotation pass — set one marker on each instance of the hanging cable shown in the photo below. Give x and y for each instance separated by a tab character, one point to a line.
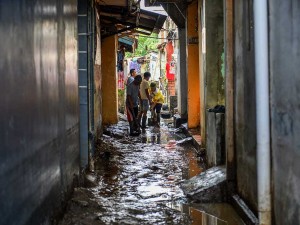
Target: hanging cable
157	37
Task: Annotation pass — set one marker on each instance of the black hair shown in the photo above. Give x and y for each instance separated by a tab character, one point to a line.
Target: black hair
131	71
138	78
153	84
147	74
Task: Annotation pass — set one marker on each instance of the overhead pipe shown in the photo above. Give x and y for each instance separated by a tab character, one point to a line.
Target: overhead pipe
262	111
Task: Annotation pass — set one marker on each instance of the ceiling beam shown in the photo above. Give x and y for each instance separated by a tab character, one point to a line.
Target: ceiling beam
177	12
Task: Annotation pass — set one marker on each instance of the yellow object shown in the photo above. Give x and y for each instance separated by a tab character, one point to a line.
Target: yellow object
157	96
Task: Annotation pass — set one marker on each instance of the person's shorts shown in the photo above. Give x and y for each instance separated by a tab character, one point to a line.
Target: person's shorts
144	105
157	107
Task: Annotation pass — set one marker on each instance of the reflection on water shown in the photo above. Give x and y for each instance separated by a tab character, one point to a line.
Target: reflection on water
194	168
197	217
208	214
163	135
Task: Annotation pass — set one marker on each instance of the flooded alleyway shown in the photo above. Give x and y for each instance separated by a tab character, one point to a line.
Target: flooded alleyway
136	180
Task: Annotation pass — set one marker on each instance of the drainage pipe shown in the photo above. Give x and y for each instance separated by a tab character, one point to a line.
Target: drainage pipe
262	111
91	136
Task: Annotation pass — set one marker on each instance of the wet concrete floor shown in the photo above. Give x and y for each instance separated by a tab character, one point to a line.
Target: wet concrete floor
136	180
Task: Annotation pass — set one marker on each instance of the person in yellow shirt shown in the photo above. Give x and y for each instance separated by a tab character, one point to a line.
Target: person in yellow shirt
157	101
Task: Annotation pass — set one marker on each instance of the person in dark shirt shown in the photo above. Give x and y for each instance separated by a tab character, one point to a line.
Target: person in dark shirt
132	102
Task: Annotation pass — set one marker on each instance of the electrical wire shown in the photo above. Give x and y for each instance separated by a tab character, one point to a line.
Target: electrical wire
157	37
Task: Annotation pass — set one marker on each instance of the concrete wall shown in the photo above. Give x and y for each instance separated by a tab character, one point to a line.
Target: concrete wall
202	47
214	48
212	87
285	109
109	80
229	101
193	67
215	139
244	103
39	153
182	73
98	82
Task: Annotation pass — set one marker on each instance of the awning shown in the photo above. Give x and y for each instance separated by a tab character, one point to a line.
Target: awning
129	43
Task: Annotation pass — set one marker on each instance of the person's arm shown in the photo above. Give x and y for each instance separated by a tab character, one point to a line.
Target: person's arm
153	101
147	94
129	98
140	97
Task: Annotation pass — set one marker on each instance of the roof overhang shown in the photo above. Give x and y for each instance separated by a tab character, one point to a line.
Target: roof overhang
176	9
126	17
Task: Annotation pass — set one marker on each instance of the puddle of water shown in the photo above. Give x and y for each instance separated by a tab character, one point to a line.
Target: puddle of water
138	182
162	135
193	168
208	214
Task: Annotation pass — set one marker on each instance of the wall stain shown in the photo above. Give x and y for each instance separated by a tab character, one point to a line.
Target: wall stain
284	123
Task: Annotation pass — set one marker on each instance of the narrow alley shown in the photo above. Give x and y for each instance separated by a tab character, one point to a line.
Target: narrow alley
220	79
136	180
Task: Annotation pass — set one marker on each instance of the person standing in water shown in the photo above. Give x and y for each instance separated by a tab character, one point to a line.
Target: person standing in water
145	99
157	102
132	101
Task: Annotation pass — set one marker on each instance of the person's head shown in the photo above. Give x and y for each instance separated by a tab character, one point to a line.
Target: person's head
132	72
153	86
147	75
122	48
137	80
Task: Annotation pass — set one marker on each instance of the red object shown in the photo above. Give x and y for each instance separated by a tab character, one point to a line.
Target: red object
170	51
121	80
170	74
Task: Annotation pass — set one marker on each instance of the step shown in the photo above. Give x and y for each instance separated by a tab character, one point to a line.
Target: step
207	187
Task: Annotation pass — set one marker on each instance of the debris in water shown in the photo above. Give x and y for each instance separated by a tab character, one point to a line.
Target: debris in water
171	177
184	140
171	145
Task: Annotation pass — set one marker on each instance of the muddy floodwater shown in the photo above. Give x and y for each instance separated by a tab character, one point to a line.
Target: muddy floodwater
136	180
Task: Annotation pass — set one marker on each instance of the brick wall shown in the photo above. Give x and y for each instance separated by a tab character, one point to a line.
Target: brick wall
171	87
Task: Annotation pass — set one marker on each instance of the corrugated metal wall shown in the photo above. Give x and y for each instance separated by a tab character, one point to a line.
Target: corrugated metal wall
39	113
